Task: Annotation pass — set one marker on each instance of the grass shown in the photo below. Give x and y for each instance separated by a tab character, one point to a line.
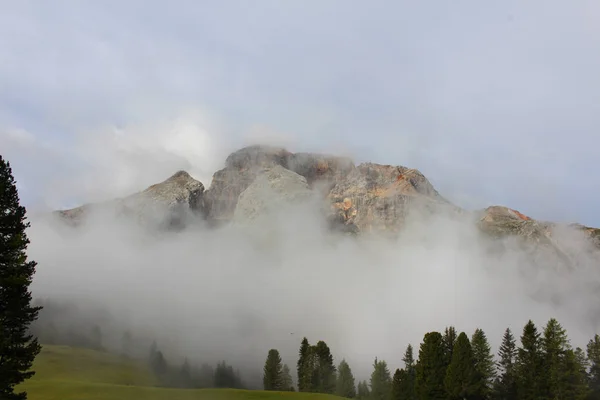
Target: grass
65	373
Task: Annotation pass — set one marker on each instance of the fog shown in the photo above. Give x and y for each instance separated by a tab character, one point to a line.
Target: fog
235	292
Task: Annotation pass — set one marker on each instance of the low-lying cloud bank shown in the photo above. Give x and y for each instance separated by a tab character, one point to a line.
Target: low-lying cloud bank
235	292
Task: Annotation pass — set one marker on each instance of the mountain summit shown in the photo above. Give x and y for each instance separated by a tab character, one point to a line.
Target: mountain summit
357	198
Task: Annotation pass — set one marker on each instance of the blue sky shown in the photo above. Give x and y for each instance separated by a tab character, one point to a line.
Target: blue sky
495	102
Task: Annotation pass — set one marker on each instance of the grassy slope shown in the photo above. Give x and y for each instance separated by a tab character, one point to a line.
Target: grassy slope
64	373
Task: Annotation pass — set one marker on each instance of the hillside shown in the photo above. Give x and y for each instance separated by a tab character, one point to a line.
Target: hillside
65	373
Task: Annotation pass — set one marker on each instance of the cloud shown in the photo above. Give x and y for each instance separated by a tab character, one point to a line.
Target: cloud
236	292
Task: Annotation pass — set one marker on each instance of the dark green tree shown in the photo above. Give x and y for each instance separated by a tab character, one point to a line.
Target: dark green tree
593	355
449	340
345	386
18	348
484	362
505	385
431	368
462	380
286	379
554	345
273	371
529	367
305	367
573	376
381	381
397	379
325	374
363	392
408	376
226	377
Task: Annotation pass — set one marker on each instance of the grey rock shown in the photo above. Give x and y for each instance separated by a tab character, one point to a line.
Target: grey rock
274	189
166	204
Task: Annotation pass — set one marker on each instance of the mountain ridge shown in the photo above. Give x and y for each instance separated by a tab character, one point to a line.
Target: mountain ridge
367	197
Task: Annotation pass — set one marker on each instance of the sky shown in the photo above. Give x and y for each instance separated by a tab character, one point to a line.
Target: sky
496	102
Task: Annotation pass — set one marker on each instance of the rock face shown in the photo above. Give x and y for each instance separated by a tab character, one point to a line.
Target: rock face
166	203
380	197
273	189
243	166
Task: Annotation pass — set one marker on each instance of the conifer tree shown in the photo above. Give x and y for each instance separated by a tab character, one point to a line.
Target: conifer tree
18	348
505	385
345	386
185	375
407	381
554	347
529	367
462	380
363	392
273	371
381	381
449	340
573	383
325	369
304	367
397	389
593	355
431	368
484	362
286	379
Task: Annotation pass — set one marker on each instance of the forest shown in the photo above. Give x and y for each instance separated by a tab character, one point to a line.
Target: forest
536	363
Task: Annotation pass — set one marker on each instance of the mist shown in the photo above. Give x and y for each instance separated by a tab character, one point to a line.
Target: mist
235	292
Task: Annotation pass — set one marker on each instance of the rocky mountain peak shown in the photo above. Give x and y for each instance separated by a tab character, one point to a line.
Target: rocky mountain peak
368	197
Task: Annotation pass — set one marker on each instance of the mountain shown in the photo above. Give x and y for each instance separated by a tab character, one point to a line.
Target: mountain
353	198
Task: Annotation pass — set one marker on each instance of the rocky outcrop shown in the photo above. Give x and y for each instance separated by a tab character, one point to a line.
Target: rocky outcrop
273	190
376	197
166	203
243	166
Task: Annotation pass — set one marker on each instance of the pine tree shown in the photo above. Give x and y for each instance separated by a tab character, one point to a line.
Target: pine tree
554	347
185	375
505	385
484	362
18	348
593	355
399	377
407	381
449	340
345	386
363	392
381	381
529	367
462	380
326	371
273	371
304	369
431	368
286	379
573	376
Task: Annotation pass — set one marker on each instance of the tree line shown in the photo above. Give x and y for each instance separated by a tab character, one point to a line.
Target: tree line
453	366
